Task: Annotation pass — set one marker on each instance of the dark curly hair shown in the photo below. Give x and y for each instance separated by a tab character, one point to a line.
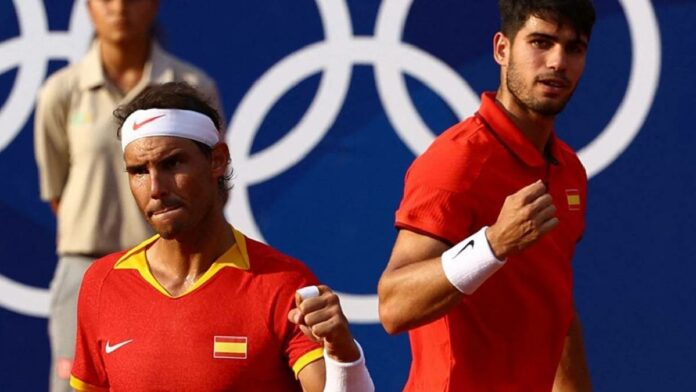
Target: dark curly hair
580	14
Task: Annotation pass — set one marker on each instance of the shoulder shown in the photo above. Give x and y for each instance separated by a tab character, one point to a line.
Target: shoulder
89	298
97	273
468	139
266	260
456	157
61	83
275	278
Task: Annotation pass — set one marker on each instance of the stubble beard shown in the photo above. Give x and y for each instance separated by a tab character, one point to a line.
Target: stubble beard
186	225
523	95
168	232
173	227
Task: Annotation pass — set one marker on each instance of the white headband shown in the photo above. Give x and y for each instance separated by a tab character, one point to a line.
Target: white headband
169	122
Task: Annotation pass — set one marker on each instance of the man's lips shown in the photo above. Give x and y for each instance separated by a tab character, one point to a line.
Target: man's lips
557	83
120	24
164	210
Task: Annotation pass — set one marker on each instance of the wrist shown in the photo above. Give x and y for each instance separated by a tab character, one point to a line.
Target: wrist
347	376
470	263
346	362
347	351
499	251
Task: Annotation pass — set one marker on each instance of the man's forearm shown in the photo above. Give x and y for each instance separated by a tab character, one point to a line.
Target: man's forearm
573	374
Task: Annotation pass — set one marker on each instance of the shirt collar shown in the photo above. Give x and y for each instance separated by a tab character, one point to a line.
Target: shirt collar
236	256
507	132
157	69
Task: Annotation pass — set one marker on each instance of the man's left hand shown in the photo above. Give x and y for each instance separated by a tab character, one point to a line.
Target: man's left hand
321	319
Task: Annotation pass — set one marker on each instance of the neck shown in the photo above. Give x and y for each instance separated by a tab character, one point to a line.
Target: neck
535	127
124	62
179	262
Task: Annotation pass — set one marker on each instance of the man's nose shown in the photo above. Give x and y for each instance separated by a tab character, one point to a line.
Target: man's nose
557	58
158	185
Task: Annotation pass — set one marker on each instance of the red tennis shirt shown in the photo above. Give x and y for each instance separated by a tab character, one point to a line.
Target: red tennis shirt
229	332
509	334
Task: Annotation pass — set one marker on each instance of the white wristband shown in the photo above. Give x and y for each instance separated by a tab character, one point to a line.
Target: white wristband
469	263
347	376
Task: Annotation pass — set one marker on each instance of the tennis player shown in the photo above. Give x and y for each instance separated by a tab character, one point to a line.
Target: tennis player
200	306
480	274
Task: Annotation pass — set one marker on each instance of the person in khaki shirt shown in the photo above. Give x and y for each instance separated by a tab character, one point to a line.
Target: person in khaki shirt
79	158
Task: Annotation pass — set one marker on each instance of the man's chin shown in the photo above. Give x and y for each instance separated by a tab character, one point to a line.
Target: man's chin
168	232
550	107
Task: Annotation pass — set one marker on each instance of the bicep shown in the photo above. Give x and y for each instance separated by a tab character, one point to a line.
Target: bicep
313	376
411	247
413	289
415	258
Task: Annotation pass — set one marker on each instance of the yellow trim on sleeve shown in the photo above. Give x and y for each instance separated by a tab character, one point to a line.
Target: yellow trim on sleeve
82	386
236	256
306	359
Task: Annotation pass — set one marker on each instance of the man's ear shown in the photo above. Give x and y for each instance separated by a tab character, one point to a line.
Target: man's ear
220	157
501	48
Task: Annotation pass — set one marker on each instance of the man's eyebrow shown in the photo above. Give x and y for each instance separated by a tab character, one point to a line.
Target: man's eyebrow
577	40
536	34
131	168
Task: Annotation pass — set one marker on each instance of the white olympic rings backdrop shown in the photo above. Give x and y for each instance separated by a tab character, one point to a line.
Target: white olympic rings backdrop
334	57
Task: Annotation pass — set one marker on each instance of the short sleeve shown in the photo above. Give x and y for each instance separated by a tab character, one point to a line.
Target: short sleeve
88	372
436	200
51	146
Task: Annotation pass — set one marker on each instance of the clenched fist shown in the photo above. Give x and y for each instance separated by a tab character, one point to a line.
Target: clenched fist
525	217
321	318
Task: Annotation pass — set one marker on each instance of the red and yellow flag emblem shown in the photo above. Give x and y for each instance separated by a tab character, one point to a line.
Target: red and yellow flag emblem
230	347
573	198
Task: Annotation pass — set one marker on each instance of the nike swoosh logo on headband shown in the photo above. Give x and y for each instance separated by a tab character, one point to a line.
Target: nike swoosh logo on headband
137	125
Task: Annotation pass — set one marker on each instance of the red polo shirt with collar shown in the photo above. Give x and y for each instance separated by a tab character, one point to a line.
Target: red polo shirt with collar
228	332
509	334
